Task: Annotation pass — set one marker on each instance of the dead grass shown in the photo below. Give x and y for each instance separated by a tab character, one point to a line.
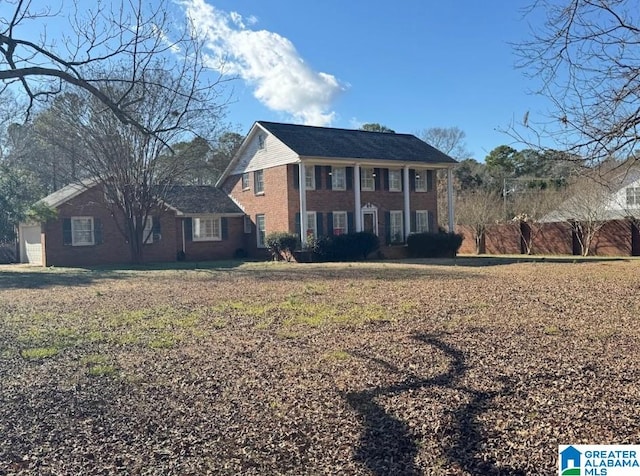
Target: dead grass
267	368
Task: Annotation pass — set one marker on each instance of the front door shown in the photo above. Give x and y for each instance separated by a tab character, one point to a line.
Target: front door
370	221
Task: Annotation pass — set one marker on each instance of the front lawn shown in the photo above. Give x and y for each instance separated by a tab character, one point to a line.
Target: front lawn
279	368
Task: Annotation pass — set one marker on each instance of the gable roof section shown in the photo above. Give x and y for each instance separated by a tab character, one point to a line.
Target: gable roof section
184	199
200	199
309	141
68	192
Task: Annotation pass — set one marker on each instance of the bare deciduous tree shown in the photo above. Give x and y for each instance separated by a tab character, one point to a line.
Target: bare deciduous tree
586	57
477	209
451	141
98	39
529	207
132	166
587	210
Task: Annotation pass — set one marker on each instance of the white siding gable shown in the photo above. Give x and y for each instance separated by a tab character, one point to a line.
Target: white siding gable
618	200
253	157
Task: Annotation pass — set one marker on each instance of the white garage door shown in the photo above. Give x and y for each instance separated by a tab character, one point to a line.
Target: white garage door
31	249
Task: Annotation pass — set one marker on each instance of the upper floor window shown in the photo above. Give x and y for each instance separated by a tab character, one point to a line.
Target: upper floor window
367	179
421	180
82	233
340	223
261	141
422	221
633	196
258	181
206	228
310	177
245	181
338	178
395	180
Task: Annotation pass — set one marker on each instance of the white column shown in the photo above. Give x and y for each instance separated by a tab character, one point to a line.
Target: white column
303	204
407	202
356	191
450	204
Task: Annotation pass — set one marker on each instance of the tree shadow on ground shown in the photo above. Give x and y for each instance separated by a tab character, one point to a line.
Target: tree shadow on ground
481	261
387	445
45	279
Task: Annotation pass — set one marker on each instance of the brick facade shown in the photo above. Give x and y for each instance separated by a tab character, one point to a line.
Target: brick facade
280	201
113	248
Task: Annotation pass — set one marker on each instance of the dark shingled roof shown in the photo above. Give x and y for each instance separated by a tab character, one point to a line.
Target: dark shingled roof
309	141
193	199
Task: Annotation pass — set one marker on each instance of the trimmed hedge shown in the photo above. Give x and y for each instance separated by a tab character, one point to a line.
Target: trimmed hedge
434	245
348	247
281	244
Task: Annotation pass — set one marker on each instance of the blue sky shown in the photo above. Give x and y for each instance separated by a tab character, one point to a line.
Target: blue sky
408	65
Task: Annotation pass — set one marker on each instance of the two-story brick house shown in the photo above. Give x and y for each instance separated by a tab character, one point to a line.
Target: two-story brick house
285	177
327	181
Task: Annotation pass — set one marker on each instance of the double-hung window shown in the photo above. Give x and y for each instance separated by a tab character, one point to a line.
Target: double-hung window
147	231
421	181
245	181
312	225
633	196
258	181
422	221
367	179
395	181
82	233
338	178
396	228
206	228
310	177
260	231
340	223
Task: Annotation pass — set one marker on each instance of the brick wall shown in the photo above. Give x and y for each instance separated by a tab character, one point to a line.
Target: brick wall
615	238
114	248
273	203
215	250
503	239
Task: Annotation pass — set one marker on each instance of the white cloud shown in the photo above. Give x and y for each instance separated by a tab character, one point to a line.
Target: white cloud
267	61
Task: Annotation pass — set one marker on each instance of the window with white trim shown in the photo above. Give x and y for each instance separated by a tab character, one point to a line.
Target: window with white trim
147	231
421	181
260	231
245	181
261	141
206	229
633	196
422	221
258	181
367	179
247	224
340	223
395	181
338	178
312	225
310	177
396	226
82	232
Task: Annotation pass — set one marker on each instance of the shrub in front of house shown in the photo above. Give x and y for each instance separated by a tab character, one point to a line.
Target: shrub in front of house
347	247
281	244
434	245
